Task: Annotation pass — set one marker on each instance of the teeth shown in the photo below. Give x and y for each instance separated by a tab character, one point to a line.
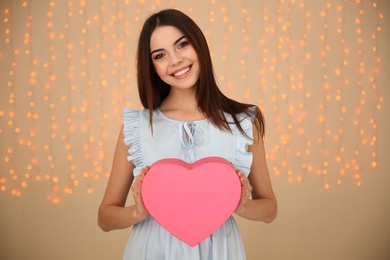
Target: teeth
181	72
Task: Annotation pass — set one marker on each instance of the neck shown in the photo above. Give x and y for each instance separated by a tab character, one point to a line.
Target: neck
182	105
183	99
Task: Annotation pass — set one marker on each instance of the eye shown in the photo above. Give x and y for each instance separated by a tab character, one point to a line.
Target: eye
158	56
183	44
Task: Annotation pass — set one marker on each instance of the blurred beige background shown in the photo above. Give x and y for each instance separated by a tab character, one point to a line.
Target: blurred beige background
318	69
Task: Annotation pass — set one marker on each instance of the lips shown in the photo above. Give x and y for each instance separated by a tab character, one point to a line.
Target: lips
181	71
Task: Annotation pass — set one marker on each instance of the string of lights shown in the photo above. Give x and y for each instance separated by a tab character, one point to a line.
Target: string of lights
68	69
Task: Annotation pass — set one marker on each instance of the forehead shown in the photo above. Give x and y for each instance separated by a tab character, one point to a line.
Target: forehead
164	36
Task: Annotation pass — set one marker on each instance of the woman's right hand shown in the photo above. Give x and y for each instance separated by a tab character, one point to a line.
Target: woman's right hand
140	210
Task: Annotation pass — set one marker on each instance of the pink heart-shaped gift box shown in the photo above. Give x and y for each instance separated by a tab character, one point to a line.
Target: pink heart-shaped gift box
191	201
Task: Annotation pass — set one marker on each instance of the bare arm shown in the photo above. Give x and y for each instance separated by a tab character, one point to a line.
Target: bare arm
113	214
263	205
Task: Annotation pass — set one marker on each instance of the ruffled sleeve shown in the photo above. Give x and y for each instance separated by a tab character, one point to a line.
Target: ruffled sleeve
243	160
132	134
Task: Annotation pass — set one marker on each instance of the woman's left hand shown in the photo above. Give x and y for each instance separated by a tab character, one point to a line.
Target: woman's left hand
246	192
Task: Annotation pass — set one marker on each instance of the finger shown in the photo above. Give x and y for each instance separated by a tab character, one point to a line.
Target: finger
240	175
136	185
146	169
143	173
247	184
243	178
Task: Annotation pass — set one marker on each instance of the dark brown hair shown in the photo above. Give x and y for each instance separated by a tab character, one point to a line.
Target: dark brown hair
211	101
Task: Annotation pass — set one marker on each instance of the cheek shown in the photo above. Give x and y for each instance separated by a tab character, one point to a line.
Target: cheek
159	69
194	54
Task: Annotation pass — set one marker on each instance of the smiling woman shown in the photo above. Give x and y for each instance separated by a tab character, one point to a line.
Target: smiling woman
174	58
186	117
317	69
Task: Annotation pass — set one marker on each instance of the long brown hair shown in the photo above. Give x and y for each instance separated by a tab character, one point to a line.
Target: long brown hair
211	101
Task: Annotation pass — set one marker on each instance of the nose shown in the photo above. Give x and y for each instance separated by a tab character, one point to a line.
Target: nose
176	59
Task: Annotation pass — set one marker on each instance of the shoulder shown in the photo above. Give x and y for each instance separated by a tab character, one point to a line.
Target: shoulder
250	113
253	116
130	114
244	117
133	121
131	111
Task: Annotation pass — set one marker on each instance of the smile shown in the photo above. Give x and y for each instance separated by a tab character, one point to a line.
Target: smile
181	72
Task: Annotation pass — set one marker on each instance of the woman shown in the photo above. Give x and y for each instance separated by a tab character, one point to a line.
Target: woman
187	117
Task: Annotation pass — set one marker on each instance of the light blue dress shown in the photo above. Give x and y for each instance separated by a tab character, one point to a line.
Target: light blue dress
188	141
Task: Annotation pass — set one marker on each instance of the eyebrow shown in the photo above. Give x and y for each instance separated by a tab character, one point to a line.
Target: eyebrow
176	42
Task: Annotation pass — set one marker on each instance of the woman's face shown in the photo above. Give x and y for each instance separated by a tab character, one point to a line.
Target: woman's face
174	58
